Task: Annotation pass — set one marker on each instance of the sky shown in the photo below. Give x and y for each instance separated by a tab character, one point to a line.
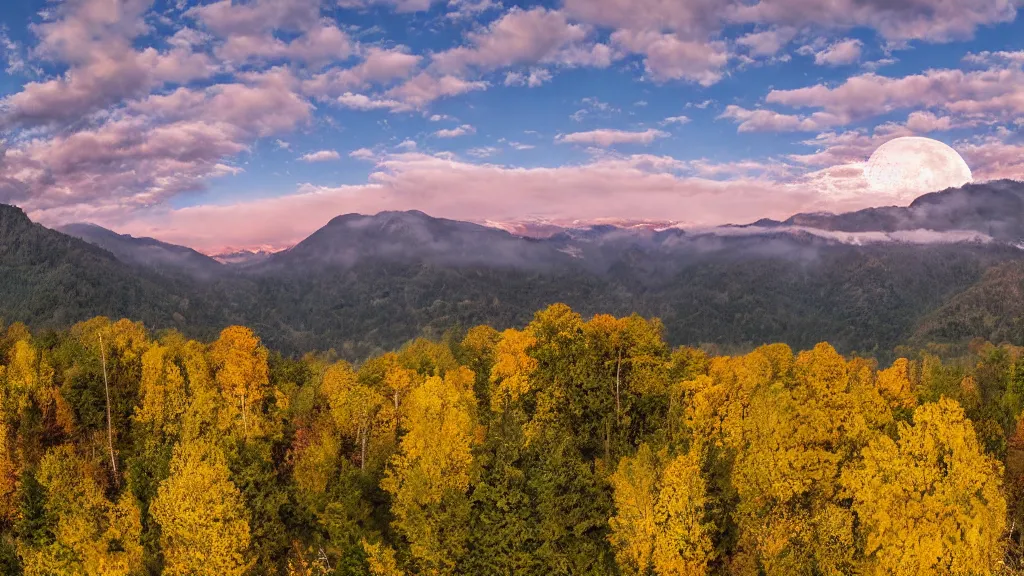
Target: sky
243	125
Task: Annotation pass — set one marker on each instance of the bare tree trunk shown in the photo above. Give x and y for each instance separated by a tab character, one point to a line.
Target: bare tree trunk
362	453
607	440
245	426
110	429
618	372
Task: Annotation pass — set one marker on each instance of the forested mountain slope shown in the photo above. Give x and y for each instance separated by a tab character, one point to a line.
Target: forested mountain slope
51	280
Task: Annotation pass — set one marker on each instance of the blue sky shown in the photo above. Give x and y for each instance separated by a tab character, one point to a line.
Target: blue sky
250	124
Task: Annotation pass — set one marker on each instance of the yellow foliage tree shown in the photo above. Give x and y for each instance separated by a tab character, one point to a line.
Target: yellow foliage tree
895	386
203	526
429	478
242	374
659	522
93	535
381	559
358	411
164	394
931	501
512	368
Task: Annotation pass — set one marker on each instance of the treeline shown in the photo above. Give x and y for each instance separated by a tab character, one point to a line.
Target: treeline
569	447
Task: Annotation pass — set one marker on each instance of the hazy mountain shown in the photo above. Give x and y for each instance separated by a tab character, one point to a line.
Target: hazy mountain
413	237
147	252
242	258
994	208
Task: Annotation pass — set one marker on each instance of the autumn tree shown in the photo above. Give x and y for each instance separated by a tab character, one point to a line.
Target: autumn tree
430	476
240	364
91	535
660	524
203	522
930	501
359	411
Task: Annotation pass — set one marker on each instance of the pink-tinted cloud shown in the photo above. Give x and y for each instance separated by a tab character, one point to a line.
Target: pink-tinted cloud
521	36
993	158
895	20
763	120
925	122
691	19
425	88
379	66
463	130
667	57
996	58
400	6
840	53
321	156
227	18
606	138
94	39
536	77
996	93
364	102
318	47
767	42
152	149
621	188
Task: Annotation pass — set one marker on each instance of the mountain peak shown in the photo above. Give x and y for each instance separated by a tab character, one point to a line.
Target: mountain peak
11	216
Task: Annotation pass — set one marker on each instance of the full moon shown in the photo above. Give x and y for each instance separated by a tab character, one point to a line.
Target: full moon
913	165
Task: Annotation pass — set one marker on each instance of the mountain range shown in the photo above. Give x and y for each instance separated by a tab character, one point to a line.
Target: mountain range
946	268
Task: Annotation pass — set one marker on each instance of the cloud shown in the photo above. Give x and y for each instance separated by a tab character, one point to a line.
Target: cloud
693	18
321	156
607	138
992	94
895	20
996	58
94	39
624	187
400	6
463	130
379	66
766	42
669	58
680	120
425	88
520	36
282	145
407	145
364	102
247	31
536	77
470	8
925	122
763	120
840	53
992	159
363	154
227	18
154	148
699	20
318	46
483	152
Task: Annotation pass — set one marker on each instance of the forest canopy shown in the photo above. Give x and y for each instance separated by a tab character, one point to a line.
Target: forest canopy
567	446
